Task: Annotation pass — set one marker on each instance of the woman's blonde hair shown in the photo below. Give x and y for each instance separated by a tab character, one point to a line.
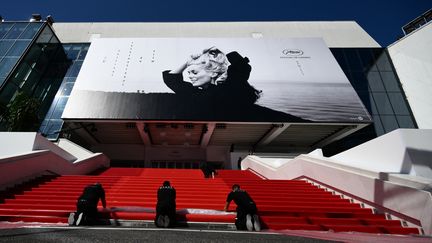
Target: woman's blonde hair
213	60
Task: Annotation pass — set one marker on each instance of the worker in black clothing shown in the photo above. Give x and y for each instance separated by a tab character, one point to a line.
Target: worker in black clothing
87	212
207	169
166	206
247	217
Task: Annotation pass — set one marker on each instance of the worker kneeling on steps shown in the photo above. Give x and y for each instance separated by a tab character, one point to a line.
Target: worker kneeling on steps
166	206
247	217
87	212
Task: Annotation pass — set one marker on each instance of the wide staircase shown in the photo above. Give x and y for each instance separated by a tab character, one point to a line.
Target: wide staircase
131	195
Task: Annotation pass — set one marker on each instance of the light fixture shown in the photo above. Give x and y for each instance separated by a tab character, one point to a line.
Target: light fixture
1	19
49	19
36	18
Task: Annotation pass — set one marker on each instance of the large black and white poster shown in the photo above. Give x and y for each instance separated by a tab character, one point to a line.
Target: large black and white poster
217	79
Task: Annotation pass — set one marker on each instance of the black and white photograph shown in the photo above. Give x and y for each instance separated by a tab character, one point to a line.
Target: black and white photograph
220	79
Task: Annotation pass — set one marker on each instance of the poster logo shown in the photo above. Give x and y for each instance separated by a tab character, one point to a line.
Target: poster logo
292	52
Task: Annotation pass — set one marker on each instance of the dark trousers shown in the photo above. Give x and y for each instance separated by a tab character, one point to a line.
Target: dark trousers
89	210
166	209
242	211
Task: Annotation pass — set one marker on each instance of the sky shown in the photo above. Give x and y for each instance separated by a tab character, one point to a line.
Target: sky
382	19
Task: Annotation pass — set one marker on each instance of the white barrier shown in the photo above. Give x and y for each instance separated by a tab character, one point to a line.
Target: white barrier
38	156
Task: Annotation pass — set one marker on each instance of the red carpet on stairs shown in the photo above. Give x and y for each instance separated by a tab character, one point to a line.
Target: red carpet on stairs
131	195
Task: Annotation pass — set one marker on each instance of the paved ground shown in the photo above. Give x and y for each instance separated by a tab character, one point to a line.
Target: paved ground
111	234
43	232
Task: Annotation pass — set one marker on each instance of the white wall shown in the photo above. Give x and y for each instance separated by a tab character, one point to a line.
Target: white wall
412	59
405	151
334	33
24	156
16	169
17	143
73	148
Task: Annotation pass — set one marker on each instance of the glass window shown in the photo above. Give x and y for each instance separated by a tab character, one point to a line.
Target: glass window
340	57
366	58
67	88
43	125
61	104
21	74
73	52
398	103
50	50
374	110
52	128
390	81
41	64
6	65
405	121
45	36
8	92
67	47
54	40
353	60
389	123
4	28
43	87
16	31
70	79
33	55
366	100
378	125
74	69
18	48
359	81
383	103
375	82
32	81
83	53
60	55
50	111
31	31
4	46
383	63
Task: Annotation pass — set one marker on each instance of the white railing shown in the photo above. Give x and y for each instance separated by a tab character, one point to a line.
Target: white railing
27	155
408	203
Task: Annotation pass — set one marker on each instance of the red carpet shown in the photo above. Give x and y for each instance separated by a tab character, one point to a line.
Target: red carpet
131	194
